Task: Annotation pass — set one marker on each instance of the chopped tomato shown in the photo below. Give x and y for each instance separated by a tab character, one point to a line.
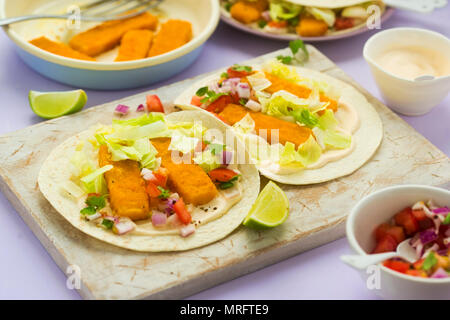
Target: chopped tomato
386	244
418	264
220	117
220	104
278	24
422	219
343	23
161	180
406	219
237	74
152	190
93	195
183	214
396	265
222	174
416	273
201	146
196	101
154	104
386	228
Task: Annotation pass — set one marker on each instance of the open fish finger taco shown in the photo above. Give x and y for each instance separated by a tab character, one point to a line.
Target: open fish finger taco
153	183
306	18
300	126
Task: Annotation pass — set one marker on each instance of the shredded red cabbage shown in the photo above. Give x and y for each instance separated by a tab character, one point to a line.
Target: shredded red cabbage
428	236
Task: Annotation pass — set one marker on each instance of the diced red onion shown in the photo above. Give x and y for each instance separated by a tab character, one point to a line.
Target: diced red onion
148	175
122	109
187	230
214	87
428	236
266	16
123	227
174	221
440	273
446	241
174	196
253	105
226	88
447	232
93	216
227	157
140	108
159	219
441	210
243	90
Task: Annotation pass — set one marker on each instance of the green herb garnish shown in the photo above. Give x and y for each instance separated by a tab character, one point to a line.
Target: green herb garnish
164	193
243	101
262	23
295	46
224	75
240	68
429	262
447	219
108	224
226	185
209	95
293	21
94	203
228	6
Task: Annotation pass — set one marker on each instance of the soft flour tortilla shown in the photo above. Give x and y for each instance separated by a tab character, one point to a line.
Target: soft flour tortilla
366	139
55	171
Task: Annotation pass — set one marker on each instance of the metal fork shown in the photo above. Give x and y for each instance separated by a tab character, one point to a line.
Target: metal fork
98	10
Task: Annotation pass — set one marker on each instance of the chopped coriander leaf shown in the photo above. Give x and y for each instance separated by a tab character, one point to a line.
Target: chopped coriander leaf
201	92
216	148
97	202
226	185
430	261
164	193
228	6
88	211
237	67
296	45
447	219
235	178
284	59
224	75
262	23
293	21
243	101
108	224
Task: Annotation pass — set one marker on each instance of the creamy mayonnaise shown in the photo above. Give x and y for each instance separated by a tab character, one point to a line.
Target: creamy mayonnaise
410	62
201	215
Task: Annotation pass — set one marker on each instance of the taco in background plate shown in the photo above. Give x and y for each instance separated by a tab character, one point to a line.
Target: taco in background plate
153	183
307	18
299	126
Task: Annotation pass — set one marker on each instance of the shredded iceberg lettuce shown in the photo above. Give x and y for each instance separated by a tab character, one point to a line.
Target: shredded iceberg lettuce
326	15
182	143
284	10
207	161
94	182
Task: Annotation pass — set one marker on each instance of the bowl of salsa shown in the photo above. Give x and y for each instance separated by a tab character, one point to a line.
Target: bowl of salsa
383	219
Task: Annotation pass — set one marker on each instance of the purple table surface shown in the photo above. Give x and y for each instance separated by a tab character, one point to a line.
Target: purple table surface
27	270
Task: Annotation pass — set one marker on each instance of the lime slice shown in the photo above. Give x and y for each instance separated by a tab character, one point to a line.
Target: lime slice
49	105
270	209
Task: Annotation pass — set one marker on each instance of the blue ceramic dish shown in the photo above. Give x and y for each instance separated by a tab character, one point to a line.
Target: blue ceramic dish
105	74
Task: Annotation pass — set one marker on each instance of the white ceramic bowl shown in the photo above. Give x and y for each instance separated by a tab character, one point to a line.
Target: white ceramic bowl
377	208
407	96
106	74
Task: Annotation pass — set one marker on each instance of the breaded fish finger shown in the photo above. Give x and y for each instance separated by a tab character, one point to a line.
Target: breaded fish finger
107	35
188	180
126	187
173	34
287	131
135	45
59	48
248	11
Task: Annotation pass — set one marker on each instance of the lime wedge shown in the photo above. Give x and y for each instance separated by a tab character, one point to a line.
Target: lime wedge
49	105
270	209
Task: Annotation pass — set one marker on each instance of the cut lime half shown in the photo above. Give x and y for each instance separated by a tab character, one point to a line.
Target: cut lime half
270	209
49	105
